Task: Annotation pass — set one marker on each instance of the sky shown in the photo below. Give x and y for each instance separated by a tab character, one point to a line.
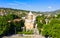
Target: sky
32	5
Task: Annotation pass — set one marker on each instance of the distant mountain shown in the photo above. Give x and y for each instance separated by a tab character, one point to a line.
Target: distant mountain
57	11
53	12
10	10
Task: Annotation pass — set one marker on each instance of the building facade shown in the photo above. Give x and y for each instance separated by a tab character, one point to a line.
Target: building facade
29	21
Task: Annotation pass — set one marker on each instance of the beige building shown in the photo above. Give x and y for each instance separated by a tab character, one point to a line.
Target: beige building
29	21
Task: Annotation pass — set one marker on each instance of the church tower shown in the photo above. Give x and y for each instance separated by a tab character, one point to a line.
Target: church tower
29	21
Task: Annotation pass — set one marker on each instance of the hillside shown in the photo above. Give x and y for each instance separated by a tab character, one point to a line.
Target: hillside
18	11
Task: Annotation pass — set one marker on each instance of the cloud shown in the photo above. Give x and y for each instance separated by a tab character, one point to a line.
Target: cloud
19	2
13	4
16	3
22	3
49	7
19	5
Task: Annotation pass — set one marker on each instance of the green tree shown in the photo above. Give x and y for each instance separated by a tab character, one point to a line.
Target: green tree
3	25
52	29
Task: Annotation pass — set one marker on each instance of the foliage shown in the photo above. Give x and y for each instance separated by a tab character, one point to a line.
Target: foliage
39	24
58	16
7	28
3	25
52	29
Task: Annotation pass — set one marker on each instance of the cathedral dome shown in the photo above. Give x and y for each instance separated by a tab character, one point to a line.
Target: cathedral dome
30	13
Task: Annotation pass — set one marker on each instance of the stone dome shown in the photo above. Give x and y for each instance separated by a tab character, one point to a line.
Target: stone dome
30	13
